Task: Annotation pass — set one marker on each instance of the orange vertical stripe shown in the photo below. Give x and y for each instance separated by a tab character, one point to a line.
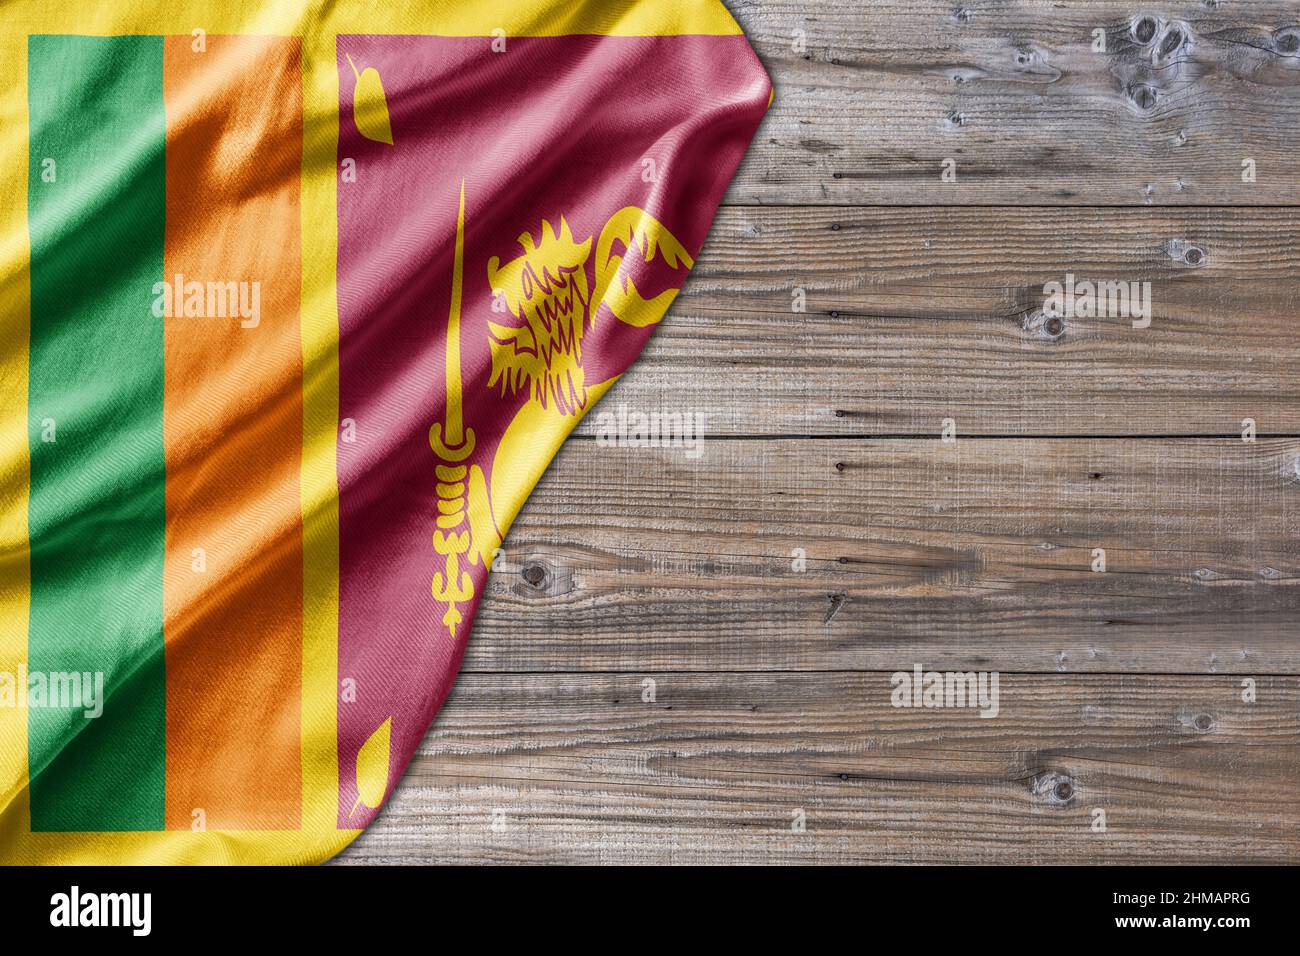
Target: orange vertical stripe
232	430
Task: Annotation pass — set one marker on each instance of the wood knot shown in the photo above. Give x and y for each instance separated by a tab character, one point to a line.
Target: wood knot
540	579
1287	42
1186	253
1034	59
1203	723
1058	789
1144	29
1044	324
962	15
956	119
1143	96
1172	42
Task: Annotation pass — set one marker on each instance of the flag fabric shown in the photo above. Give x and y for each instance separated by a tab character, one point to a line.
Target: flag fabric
299	301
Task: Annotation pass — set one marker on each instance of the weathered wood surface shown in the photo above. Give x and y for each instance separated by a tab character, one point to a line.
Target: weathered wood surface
917	315
974	554
886	90
1120	690
577	768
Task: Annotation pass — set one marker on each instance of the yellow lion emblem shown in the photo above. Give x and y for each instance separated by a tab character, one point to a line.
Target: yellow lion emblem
554	302
547	290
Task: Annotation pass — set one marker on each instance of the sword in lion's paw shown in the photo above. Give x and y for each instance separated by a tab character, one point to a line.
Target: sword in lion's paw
466	534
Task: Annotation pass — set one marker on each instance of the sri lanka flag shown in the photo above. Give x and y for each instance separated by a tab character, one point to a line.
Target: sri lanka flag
298	302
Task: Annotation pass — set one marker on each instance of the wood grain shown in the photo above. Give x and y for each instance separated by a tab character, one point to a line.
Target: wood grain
1121	690
977	554
917	315
580	769
883	93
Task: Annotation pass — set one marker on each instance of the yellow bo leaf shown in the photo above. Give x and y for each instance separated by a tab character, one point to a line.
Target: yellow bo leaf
370	105
372	767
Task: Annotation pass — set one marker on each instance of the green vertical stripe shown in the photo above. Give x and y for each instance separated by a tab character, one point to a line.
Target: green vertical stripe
96	388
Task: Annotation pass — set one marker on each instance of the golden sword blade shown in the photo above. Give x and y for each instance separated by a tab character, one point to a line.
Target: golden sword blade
450	440
454	423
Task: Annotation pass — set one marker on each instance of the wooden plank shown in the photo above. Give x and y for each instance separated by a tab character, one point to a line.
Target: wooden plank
580	769
917	315
880	96
973	554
